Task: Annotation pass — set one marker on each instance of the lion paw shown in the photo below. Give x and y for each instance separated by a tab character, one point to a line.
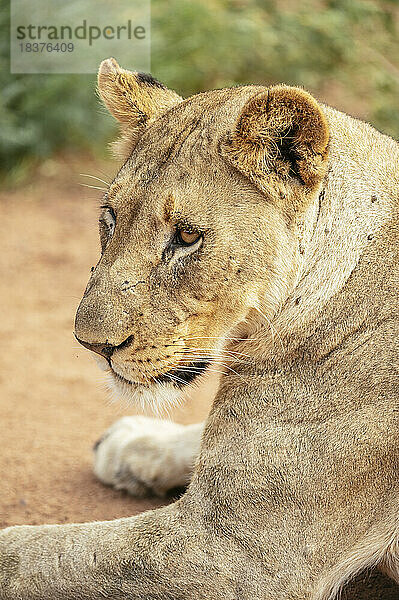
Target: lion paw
144	455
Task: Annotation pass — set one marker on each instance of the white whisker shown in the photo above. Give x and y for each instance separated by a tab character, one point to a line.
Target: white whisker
214	350
94	177
192	357
174	377
233	339
94	187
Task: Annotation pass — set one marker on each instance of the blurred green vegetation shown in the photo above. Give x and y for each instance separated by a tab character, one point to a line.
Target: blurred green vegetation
344	51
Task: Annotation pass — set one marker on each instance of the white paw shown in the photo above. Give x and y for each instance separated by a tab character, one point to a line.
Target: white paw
144	455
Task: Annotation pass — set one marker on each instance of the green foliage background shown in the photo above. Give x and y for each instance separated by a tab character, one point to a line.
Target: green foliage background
344	51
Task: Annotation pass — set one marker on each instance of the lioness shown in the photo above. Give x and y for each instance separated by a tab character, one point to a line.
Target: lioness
253	230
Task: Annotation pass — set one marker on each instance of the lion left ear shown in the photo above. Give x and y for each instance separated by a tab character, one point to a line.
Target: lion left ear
280	137
134	99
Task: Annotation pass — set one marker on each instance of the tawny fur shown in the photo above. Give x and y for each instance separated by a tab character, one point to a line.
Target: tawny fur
294	280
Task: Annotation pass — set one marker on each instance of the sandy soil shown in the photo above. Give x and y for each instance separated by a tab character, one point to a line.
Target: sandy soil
53	401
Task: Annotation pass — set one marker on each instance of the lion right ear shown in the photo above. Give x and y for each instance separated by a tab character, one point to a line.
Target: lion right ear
134	99
280	142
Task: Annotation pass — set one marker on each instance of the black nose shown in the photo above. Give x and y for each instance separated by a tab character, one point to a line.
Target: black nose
104	350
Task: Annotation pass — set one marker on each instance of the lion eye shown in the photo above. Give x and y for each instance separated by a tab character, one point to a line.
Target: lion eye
186	238
109	220
107	224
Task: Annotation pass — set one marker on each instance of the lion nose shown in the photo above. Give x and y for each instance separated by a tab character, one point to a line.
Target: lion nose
104	350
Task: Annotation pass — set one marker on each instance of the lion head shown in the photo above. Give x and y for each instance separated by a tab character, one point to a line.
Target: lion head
201	228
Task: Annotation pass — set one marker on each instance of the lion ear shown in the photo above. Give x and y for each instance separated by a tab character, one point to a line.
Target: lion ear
280	137
134	99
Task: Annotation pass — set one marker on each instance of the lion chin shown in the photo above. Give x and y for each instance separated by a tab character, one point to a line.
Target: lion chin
157	398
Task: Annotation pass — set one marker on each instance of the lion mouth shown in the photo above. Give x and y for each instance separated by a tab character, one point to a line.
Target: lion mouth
184	376
178	377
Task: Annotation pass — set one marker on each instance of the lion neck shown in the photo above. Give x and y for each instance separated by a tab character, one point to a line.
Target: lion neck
346	219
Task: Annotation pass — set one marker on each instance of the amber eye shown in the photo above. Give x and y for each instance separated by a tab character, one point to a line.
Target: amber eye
186	238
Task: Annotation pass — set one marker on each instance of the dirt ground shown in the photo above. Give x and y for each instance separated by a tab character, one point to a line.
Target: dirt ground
53	400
